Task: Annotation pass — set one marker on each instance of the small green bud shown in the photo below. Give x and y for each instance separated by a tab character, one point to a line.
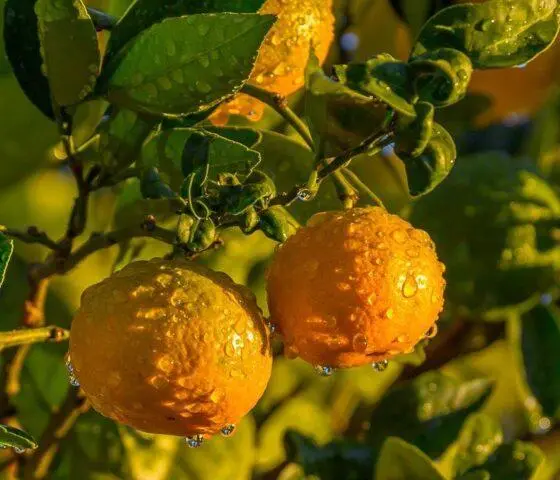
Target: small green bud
277	224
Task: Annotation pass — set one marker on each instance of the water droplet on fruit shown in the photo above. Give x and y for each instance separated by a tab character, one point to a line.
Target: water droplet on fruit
71	375
372	297
399	236
380	366
389	313
410	287
291	351
194	441
19	450
412	252
228	430
324	371
359	343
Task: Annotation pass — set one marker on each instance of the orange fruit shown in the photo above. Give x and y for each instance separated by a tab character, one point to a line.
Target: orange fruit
171	347
355	287
282	58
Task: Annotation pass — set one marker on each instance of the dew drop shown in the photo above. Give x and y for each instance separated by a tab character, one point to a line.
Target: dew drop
203	28
271	326
202	86
399	236
204	61
324	371
380	366
194	441
412	252
432	331
291	351
371	298
19	450
228	430
359	343
305	195
410	287
71	374
389	313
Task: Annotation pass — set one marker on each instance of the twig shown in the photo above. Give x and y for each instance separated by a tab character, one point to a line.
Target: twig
32	235
280	104
346	192
32	335
38	464
363	187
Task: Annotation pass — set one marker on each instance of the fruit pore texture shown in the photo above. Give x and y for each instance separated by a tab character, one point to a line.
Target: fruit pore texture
170	347
355	287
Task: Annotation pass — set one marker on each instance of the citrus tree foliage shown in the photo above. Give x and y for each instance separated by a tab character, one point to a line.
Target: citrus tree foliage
129	99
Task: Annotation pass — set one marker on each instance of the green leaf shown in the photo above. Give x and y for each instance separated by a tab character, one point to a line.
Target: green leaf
142	14
441	76
479	438
383	77
338	459
493	34
400	460
341	117
69	49
540	338
121	138
412	135
517	461
428	411
507	212
21	40
246	136
16	438
427	170
180	77
166	149
6	250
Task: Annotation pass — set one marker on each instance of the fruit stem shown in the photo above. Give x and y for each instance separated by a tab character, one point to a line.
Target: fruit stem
363	187
280	104
346	192
32	335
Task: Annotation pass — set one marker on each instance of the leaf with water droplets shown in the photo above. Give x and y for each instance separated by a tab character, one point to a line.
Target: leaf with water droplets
427	411
6	250
400	460
382	77
16	438
539	341
427	170
493	34
142	14
69	48
480	436
183	79
166	151
516	461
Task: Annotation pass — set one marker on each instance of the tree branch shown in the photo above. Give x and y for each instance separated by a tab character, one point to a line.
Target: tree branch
32	236
32	335
38	463
280	104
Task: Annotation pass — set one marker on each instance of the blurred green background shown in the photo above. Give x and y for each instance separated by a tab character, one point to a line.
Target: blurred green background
507	129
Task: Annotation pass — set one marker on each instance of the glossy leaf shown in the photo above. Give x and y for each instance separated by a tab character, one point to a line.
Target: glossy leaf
340	116
142	14
69	48
517	461
441	76
152	186
493	34
428	411
246	136
181	77
540	337
412	135
338	459
121	138
384	78
166	149
6	250
21	40
400	460
16	438
427	170
479	438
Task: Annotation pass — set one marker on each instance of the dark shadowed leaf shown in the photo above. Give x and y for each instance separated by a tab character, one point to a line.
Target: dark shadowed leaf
145	13
428	411
21	39
180	77
6	249
69	49
400	460
493	34
540	338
